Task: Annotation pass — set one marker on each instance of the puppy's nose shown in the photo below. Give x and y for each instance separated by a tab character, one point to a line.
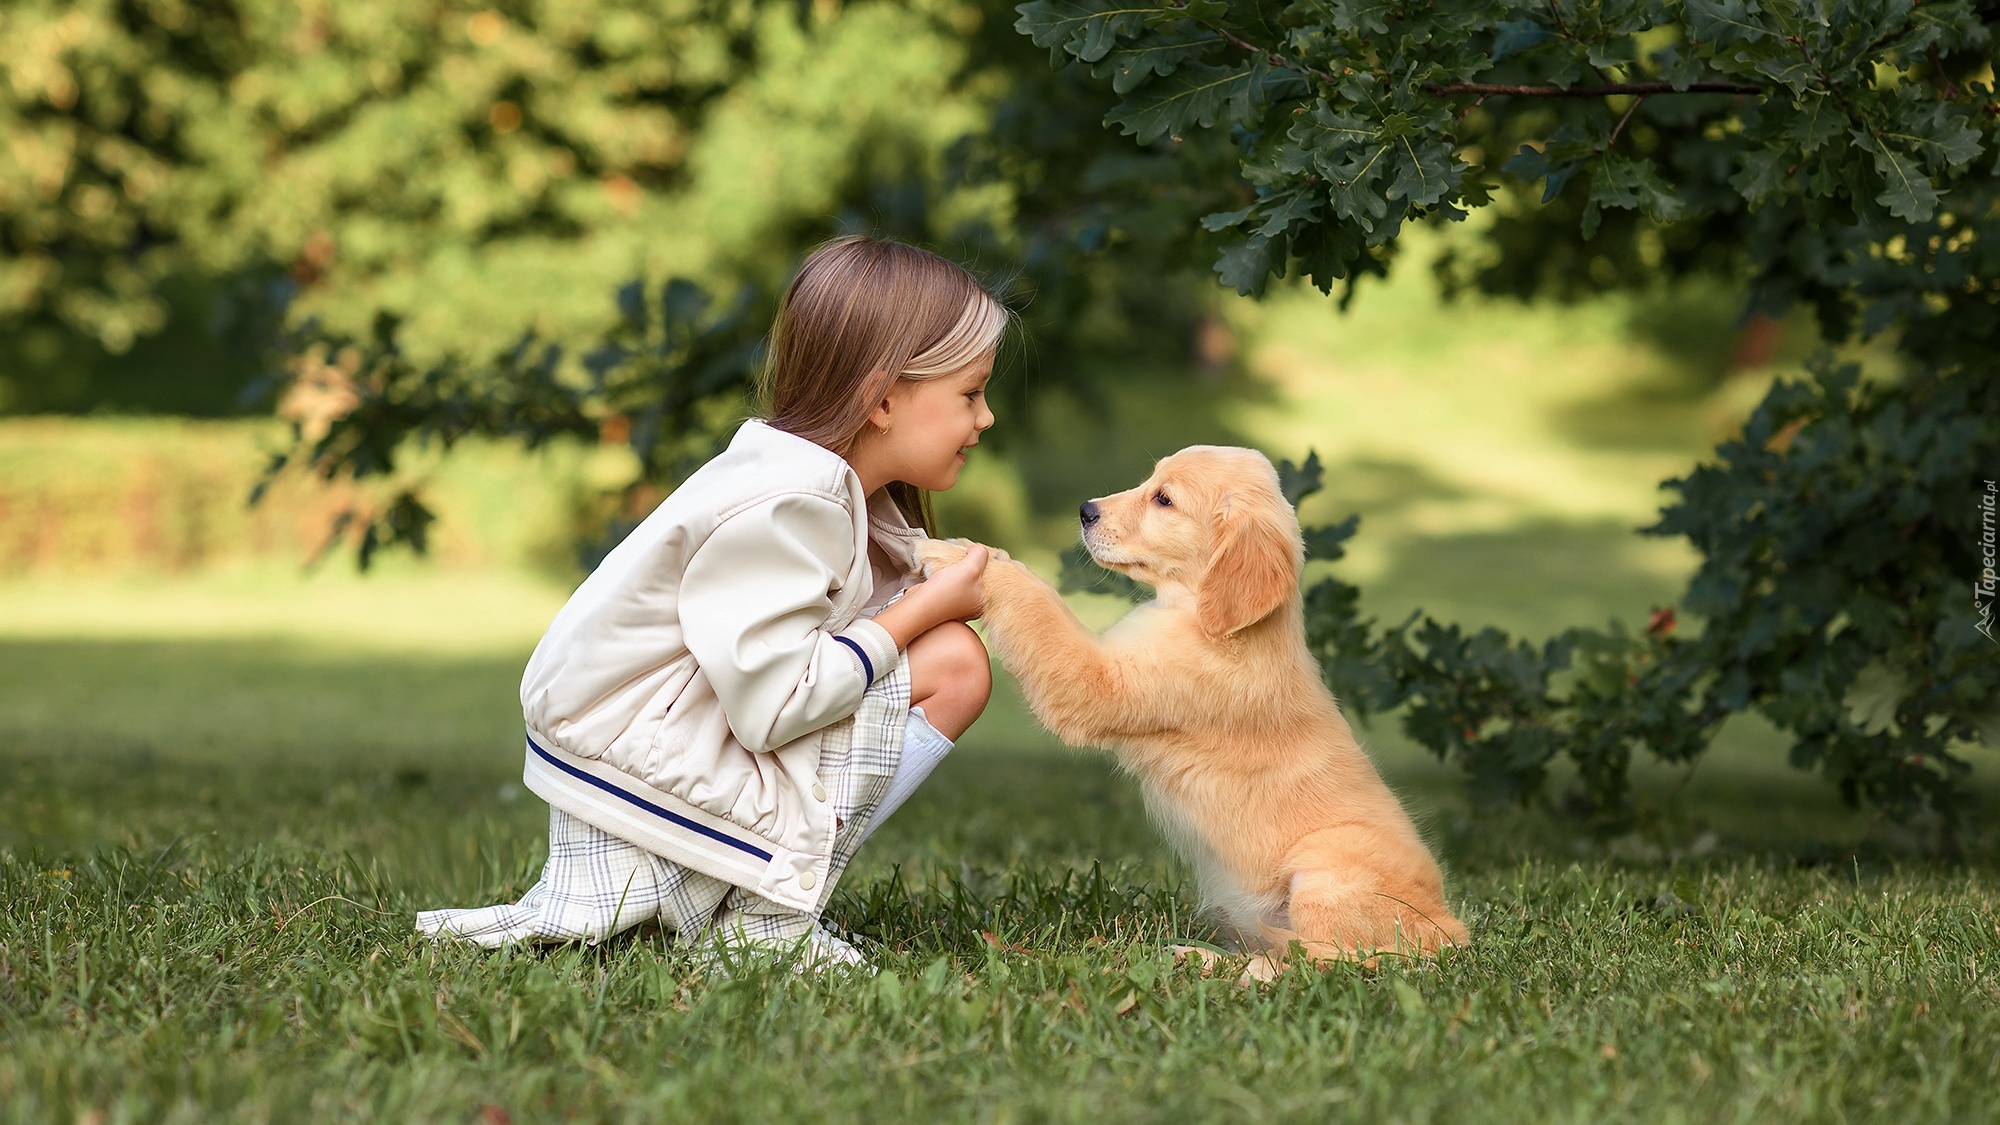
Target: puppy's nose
1087	513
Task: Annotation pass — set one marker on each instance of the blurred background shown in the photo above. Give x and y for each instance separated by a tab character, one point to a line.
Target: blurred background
181	184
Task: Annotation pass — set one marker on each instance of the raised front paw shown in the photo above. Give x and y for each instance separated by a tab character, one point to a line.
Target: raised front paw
935	554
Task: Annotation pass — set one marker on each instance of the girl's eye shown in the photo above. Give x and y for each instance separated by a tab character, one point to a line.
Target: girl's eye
1160	498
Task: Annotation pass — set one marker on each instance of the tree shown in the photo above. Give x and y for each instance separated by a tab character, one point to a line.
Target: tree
1837	152
477	170
524	157
1815	131
1839	533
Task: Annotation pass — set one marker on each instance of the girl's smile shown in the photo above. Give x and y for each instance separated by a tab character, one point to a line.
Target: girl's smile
922	429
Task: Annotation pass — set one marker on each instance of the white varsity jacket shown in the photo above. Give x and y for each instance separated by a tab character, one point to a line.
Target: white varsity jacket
676	700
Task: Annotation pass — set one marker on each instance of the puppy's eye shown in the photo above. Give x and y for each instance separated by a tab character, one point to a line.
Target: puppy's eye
1160	498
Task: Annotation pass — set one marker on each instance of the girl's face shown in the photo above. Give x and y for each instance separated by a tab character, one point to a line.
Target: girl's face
930	424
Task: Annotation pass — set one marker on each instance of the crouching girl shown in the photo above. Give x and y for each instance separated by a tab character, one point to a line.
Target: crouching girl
756	677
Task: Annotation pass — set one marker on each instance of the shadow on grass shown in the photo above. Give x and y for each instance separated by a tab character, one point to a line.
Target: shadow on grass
1533	580
263	702
1374	487
411	768
1699	337
1657	415
1742	800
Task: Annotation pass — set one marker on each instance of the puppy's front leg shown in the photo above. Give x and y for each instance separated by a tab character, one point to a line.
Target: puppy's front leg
1077	687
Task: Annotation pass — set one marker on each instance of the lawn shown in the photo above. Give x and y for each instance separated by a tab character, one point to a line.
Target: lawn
210	853
229	792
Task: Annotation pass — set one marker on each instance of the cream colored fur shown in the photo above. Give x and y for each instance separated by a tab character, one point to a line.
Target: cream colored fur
1209	696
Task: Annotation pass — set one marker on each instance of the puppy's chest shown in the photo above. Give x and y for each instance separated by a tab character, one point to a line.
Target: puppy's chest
1241	903
1141	627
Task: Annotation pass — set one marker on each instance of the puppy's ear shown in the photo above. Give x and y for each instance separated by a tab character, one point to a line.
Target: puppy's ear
1253	571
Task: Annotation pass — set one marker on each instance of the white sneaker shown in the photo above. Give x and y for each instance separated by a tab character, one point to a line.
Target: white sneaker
817	952
825	949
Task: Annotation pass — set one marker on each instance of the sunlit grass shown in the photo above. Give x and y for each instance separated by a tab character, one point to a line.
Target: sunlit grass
409	607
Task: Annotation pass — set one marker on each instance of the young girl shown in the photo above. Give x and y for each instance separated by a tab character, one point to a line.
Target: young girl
755	678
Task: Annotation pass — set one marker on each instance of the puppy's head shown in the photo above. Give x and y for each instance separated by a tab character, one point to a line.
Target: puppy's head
1211	523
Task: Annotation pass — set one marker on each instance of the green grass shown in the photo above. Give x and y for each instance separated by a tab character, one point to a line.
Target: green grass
210	853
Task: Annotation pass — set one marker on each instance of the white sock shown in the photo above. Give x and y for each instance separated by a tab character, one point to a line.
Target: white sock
923	749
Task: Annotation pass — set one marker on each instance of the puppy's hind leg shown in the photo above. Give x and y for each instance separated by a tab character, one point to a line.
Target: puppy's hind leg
1341	918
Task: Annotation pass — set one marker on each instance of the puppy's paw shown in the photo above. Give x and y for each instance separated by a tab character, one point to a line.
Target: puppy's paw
1262	969
936	554
1209	958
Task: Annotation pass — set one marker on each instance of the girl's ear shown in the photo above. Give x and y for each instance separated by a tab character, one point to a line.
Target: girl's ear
1253	570
883	412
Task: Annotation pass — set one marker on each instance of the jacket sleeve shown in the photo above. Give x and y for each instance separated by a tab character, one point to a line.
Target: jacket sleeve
754	603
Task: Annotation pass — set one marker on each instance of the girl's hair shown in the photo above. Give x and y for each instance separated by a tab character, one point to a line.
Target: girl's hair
862	314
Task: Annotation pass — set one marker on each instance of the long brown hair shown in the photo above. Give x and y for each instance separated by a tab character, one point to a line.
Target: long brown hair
862	314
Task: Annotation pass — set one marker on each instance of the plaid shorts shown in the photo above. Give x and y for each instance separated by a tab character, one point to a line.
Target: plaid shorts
596	885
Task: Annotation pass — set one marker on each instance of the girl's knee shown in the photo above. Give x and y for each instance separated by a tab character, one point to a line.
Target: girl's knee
950	674
952	654
966	654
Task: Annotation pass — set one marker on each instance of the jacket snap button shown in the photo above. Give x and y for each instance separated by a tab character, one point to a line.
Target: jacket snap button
807	881
819	791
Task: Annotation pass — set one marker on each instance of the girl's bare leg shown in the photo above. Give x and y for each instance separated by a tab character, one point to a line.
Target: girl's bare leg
950	677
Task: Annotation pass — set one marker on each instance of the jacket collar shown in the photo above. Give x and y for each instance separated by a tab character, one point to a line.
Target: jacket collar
886	525
755	432
893	533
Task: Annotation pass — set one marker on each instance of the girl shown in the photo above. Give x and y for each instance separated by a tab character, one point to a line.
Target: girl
755	678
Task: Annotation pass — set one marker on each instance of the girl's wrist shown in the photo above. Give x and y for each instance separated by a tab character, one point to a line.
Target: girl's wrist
909	617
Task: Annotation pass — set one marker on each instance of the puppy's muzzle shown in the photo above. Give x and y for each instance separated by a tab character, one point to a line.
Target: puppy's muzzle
1090	515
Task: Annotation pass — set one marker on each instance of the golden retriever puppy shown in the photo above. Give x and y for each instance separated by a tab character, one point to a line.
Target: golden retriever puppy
1209	696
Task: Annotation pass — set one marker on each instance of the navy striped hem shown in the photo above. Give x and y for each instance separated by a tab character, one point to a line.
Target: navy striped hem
867	666
649	806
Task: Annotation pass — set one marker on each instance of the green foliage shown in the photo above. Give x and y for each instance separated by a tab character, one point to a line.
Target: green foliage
214	343
660	383
1841	547
357	145
1818	130
473	170
521	157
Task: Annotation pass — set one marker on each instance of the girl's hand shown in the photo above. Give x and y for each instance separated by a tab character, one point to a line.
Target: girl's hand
951	593
955	588
936	554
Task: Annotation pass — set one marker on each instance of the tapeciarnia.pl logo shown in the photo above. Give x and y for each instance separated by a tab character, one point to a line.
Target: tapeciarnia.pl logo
1983	586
